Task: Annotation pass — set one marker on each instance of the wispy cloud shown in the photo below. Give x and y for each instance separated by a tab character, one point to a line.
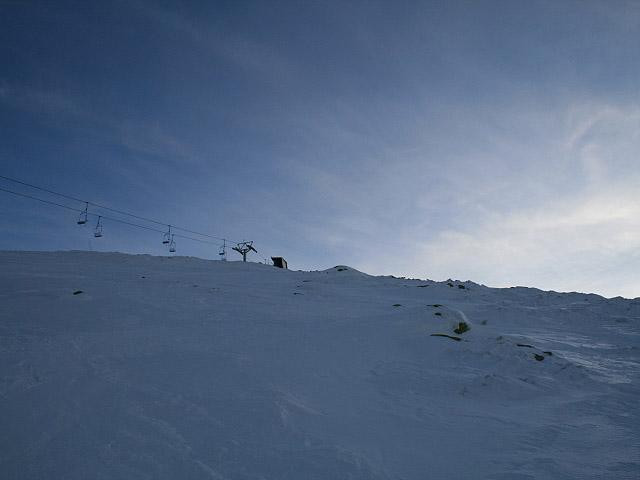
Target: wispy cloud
230	46
41	101
584	238
71	112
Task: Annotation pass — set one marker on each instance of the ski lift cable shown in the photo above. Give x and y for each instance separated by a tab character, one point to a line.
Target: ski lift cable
104	207
109	208
78	210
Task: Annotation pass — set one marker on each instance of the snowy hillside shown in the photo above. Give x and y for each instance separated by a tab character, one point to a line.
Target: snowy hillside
135	367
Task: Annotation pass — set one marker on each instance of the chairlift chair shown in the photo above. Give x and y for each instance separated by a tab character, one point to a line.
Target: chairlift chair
166	237
98	231
172	245
82	219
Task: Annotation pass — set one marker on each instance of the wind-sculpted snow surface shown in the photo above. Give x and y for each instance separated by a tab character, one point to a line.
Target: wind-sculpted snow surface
135	367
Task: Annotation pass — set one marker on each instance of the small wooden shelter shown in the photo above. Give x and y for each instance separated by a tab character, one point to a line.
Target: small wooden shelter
279	262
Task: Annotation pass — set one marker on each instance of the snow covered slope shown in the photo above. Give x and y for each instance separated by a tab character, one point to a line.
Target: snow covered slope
115	366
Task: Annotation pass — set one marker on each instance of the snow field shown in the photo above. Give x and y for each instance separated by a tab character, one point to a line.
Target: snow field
184	368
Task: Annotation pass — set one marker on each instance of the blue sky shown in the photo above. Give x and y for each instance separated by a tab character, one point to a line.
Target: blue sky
482	140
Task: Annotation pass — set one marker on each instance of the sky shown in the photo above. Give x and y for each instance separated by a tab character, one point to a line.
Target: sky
493	141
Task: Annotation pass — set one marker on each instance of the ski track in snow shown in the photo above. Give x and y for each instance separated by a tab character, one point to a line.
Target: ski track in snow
165	368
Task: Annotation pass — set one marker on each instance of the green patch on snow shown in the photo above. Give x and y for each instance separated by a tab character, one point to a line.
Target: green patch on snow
462	327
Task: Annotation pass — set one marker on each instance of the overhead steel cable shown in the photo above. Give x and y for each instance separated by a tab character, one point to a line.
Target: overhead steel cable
78	210
121	212
40	200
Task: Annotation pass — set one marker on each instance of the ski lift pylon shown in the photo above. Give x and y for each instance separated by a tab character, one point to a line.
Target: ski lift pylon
243	248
